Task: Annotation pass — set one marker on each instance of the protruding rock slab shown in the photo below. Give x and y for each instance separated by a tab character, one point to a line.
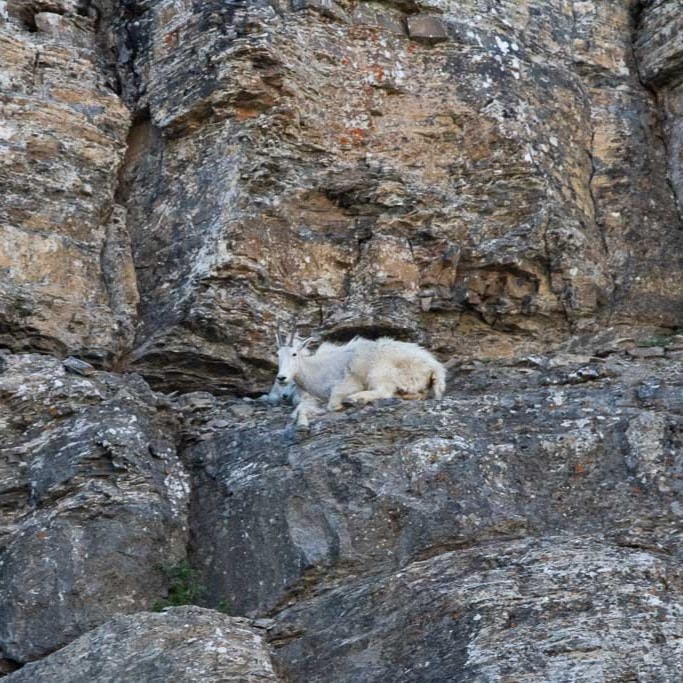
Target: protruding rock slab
527	611
527	450
427	29
183	645
93	501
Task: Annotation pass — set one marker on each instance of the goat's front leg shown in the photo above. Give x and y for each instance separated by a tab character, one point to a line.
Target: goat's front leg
308	406
411	397
300	417
349	385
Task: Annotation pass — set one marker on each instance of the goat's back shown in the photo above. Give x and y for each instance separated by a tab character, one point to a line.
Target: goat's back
405	362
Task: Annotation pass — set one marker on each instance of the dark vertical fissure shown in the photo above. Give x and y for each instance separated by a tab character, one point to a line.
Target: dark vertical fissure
656	101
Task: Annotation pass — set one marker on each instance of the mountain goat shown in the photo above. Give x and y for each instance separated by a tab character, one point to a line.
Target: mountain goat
357	372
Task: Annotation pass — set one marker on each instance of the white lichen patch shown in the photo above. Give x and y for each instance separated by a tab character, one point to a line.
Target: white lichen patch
177	484
645	435
428	455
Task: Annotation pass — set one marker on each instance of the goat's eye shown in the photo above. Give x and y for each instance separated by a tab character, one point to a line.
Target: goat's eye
294	354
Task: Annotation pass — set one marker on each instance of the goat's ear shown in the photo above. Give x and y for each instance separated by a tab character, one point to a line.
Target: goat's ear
306	343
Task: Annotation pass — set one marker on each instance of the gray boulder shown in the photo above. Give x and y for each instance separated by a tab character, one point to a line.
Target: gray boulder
94	501
183	645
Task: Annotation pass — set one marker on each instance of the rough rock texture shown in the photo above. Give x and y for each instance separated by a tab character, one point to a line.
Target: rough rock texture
476	175
552	610
494	180
68	284
527	526
93	501
182	645
659	47
501	180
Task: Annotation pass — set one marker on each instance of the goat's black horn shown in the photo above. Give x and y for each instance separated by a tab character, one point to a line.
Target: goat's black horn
291	336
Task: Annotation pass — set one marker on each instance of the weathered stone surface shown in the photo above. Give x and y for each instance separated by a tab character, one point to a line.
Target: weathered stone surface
487	194
387	18
526	527
427	29
659	41
328	8
297	174
532	450
551	610
530	611
93	500
492	195
659	46
184	645
62	138
647	352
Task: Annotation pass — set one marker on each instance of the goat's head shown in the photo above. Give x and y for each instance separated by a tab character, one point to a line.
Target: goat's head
289	354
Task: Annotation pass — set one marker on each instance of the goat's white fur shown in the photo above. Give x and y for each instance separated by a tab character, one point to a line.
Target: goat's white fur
304	403
360	371
308	405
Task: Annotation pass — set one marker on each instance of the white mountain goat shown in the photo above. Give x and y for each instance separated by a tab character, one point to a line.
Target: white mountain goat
357	372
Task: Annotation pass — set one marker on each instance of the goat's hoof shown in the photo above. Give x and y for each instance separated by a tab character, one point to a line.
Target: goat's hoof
291	435
349	403
302	428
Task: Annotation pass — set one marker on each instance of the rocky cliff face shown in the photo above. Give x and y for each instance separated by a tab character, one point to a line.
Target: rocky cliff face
68	279
501	180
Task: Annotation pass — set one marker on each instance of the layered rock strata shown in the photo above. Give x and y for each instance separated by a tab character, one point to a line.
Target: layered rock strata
68	283
93	500
480	176
493	178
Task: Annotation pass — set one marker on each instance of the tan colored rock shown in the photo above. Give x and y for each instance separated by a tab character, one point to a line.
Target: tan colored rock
479	195
62	137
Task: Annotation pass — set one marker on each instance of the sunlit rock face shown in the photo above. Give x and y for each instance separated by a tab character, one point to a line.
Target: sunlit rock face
481	176
68	284
478	176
